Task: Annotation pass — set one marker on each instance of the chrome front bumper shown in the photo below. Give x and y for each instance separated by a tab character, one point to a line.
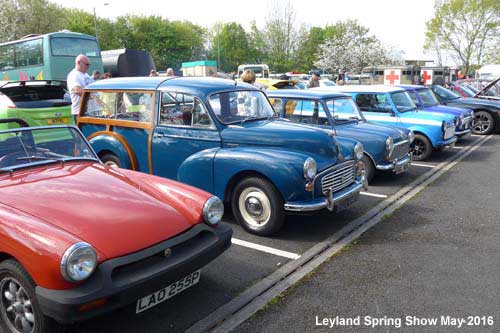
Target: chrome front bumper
397	165
351	192
447	143
463	133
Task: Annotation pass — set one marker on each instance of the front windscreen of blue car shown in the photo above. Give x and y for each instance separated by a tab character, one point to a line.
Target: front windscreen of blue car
445	94
402	101
344	109
239	106
428	98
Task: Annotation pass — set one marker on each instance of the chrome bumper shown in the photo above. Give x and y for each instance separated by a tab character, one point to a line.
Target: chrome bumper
447	143
396	165
329	202
463	133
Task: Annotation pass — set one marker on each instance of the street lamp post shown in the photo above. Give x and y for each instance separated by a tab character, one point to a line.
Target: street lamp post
95	22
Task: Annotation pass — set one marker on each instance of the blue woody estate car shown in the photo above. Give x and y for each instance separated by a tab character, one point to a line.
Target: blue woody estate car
223	137
424	99
386	147
389	105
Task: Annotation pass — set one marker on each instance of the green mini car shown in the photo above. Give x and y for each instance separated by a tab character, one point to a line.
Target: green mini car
39	103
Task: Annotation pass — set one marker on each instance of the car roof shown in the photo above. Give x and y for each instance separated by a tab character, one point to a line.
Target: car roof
375	88
194	85
411	86
302	93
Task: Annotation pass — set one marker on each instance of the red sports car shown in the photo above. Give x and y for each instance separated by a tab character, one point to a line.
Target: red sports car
78	238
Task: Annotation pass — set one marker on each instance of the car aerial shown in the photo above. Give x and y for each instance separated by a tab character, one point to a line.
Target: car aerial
224	137
425	99
486	112
79	238
390	105
386	147
39	103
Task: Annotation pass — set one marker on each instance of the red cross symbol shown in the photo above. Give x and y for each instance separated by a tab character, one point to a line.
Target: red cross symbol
392	77
426	77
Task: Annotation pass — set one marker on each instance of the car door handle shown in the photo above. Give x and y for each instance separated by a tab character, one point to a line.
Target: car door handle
159	135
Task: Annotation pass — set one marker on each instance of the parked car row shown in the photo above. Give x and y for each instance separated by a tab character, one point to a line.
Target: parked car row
132	214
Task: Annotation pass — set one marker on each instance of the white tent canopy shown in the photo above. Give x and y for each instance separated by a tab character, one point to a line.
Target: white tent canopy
489	72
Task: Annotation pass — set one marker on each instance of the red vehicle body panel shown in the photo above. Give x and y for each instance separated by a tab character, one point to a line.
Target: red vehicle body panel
46	209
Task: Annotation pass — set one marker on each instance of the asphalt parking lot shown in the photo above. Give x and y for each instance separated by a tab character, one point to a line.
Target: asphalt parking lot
251	259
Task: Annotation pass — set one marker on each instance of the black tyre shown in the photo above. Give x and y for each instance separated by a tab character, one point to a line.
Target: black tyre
483	123
111	160
421	148
19	309
258	206
369	168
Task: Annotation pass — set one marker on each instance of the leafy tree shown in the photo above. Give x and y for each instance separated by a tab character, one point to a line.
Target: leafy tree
468	29
349	46
19	18
309	43
232	43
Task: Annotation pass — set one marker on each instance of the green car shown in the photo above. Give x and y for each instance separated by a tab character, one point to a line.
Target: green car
39	103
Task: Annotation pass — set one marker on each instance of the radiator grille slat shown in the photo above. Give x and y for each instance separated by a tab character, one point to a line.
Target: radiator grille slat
338	179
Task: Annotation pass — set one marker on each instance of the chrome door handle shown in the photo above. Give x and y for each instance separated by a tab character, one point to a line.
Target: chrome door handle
159	135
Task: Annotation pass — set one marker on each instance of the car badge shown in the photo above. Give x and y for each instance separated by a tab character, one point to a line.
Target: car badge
167	252
58	114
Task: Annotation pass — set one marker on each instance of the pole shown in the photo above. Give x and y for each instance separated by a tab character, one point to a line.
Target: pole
95	25
218	46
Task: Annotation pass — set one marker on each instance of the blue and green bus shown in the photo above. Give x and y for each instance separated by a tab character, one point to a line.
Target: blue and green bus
47	57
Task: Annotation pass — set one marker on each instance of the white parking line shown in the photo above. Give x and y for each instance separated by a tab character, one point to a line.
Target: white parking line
373	195
423	165
457	147
266	249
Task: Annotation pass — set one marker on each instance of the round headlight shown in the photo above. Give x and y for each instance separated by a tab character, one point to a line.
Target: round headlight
389	146
310	168
358	150
78	262
213	210
411	136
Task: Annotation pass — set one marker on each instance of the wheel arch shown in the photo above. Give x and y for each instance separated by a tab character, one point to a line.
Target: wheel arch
236	178
112	143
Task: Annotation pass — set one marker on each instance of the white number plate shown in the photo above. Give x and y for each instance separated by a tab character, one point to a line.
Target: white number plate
162	295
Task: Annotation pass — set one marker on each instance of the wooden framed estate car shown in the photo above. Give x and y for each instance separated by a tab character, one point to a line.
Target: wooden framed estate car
79	238
224	137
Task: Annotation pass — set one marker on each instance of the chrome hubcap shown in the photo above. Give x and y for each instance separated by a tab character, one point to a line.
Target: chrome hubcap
16	306
254	206
111	164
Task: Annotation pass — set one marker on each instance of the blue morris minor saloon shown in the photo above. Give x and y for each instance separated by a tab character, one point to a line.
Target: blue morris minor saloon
389	105
425	99
386	147
225	138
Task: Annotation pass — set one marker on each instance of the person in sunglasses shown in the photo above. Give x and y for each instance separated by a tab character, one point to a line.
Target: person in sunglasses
78	79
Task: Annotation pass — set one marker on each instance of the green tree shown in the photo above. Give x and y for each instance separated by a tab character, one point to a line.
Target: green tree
19	18
231	42
468	29
309	43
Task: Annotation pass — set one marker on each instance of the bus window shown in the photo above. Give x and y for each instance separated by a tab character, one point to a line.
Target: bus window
65	46
6	57
29	53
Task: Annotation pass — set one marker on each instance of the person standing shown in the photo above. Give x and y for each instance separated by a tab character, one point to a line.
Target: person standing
170	72
77	80
340	78
313	81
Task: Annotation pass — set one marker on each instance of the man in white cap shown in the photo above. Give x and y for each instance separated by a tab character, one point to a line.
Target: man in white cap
77	80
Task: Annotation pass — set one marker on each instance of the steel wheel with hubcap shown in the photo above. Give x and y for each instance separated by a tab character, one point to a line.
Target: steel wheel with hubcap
369	168
483	123
421	148
19	309
258	206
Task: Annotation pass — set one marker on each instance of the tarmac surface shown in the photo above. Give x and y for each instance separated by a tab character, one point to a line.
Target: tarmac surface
432	266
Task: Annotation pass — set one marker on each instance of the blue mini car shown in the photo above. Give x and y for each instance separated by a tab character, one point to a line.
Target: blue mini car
386	147
223	137
424	99
389	105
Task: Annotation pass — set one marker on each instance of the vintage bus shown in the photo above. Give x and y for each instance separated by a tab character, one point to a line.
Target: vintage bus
47	57
410	74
